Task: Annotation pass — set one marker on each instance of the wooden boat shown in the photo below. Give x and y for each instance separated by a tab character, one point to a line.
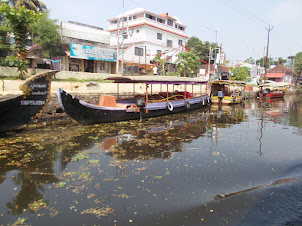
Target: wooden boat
272	90
227	91
149	105
19	110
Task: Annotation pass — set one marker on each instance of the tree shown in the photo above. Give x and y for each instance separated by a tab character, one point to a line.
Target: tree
4	38
270	61
298	63
199	48
160	63
34	5
280	61
19	20
187	63
240	73
45	33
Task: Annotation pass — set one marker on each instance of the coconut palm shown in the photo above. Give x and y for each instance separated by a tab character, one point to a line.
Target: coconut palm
34	5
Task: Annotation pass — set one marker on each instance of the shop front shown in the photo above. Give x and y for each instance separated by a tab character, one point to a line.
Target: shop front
91	59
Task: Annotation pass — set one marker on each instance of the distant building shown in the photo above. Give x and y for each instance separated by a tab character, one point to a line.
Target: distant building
87	49
146	34
222	72
280	74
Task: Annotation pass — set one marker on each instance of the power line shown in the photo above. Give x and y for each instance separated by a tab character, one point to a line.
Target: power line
236	7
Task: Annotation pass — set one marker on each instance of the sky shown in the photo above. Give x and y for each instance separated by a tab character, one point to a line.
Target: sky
240	25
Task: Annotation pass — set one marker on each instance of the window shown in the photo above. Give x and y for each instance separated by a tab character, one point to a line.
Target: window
161	20
137	31
134	17
170	22
150	16
159	36
179	42
125	36
130	17
169	43
158	52
175	25
113	22
139	15
138	51
181	28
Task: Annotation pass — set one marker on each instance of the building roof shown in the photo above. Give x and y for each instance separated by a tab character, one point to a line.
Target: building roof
142	10
274	75
280	69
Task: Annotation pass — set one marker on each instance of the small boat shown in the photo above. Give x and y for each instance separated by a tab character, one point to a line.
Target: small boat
272	90
227	91
19	110
145	106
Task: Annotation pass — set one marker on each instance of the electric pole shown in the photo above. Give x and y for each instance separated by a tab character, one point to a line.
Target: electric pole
268	33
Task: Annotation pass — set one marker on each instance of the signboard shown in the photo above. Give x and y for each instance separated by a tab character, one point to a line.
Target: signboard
91	53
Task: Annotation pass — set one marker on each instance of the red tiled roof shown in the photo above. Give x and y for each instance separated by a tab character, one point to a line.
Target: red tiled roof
274	75
280	69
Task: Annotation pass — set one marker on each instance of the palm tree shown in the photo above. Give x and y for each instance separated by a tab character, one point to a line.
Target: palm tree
34	5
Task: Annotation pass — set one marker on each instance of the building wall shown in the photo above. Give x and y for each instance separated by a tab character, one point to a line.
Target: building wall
85	32
143	32
89	36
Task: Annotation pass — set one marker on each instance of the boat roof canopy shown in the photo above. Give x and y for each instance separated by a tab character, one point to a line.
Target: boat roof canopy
228	82
275	84
156	80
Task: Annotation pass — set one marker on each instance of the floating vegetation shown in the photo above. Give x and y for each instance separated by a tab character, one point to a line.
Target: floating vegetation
99	212
79	157
123	196
20	221
61	184
93	162
37	205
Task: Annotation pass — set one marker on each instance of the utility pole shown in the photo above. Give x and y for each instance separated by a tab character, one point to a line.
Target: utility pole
123	38
118	48
268	33
209	65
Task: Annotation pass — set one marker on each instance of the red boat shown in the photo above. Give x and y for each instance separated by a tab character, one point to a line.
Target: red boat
272	90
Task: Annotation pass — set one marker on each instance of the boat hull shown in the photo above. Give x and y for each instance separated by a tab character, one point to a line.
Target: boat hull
17	111
272	95
86	113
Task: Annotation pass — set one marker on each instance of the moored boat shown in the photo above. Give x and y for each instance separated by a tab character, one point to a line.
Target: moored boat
19	110
150	105
272	90
227	91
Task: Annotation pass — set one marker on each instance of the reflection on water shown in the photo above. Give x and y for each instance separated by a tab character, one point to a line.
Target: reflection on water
166	170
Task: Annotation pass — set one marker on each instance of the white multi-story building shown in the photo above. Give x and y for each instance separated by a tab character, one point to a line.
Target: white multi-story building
146	34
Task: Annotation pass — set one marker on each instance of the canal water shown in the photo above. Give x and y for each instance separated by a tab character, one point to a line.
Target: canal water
229	165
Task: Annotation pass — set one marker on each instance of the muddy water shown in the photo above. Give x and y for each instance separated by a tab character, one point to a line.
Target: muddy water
237	165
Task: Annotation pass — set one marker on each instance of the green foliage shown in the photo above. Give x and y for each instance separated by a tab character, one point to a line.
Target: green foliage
160	63
13	61
298	63
187	63
34	5
19	20
199	48
4	38
240	73
270	61
46	34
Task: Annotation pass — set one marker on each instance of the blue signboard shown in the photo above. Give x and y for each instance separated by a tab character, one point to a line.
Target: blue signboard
91	53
